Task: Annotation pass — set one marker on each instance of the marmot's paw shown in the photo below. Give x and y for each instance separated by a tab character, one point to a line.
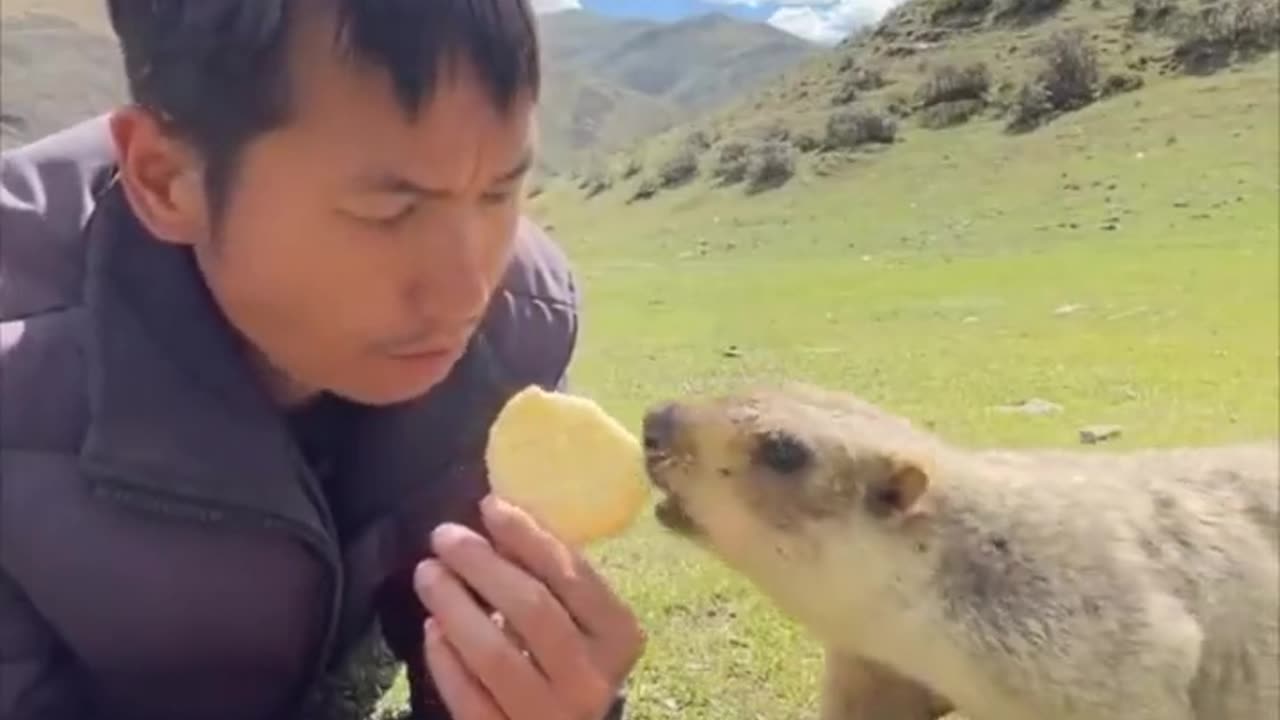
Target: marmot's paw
566	462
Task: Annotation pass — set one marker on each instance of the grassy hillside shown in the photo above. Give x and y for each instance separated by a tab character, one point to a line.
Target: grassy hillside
1118	258
933	65
611	82
1121	262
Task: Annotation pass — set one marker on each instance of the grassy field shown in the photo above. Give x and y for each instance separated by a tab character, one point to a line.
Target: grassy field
929	281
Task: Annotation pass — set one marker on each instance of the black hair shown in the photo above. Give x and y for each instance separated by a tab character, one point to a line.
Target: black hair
215	72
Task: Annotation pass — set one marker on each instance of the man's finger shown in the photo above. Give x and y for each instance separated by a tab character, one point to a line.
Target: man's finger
528	608
458	688
481	646
570	577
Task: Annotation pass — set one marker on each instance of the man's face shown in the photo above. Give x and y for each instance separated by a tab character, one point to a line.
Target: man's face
358	250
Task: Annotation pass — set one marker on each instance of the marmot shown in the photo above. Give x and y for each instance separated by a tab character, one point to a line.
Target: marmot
1000	584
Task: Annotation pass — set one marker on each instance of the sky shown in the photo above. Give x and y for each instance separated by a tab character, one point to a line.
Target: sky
822	21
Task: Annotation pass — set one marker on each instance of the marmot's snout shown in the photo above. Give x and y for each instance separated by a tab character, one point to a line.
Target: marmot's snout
660	429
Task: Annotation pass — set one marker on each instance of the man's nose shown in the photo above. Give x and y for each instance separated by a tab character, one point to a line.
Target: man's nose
451	275
660	425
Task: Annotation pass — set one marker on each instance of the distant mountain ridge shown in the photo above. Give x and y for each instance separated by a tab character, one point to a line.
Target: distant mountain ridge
611	81
608	81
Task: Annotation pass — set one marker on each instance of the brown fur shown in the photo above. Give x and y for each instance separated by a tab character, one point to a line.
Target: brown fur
1008	585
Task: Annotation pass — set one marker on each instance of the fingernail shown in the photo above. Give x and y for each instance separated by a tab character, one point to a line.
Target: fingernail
490	504
429	573
446	534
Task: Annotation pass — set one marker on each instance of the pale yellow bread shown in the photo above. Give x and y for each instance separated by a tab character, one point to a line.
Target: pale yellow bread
568	463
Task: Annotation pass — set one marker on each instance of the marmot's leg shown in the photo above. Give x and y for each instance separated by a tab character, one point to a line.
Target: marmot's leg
858	689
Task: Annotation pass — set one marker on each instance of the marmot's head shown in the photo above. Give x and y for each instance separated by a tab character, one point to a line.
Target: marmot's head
775	471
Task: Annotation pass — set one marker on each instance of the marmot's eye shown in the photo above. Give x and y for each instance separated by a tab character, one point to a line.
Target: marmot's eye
781	452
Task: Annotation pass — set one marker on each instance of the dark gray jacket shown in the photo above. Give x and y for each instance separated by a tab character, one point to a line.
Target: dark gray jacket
164	551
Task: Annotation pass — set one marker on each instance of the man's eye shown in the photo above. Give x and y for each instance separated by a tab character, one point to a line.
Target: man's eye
496	197
380	213
393	218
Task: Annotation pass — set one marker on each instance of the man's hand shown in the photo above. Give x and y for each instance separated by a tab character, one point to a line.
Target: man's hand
566	643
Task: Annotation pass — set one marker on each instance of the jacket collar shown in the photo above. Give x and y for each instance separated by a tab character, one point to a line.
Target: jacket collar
177	417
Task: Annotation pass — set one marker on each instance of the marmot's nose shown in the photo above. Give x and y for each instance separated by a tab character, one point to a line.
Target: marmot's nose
660	428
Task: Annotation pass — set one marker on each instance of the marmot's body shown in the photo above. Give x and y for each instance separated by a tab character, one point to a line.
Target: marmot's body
1037	585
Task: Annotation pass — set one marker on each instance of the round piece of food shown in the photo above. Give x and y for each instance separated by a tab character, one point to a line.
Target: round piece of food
565	461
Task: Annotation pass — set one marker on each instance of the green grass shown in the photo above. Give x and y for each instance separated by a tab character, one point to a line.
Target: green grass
927	280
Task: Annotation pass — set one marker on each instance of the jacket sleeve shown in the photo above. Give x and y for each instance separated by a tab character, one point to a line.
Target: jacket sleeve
38	679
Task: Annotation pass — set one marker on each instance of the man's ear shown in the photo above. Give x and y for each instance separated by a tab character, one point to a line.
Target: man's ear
161	177
898	491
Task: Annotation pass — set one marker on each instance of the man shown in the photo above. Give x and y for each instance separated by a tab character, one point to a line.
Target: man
254	327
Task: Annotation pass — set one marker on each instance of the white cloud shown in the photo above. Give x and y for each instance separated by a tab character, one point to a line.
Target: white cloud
550	6
822	21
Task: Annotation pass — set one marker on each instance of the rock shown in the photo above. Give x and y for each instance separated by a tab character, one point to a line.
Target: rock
1068	309
1094	434
1032	406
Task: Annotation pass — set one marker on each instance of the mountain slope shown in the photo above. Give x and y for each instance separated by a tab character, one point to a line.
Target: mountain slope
608	81
933	65
613	81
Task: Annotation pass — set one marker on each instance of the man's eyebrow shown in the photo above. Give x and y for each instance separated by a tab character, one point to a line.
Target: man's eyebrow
395	184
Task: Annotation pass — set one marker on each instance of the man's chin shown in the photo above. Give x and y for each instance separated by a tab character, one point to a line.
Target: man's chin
395	391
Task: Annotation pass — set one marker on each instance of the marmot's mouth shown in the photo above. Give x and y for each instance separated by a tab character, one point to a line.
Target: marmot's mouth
669	511
655	465
671	515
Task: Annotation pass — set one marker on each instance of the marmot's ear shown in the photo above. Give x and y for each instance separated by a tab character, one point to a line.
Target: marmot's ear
898	491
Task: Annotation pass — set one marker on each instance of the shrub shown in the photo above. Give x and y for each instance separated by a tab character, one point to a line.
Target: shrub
1225	32
948	114
1030	107
597	184
955	9
1025	10
1152	14
1120	83
1069	74
899	105
948	84
697	141
731	163
847	129
804	142
645	190
770	166
855	80
678	169
845	94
